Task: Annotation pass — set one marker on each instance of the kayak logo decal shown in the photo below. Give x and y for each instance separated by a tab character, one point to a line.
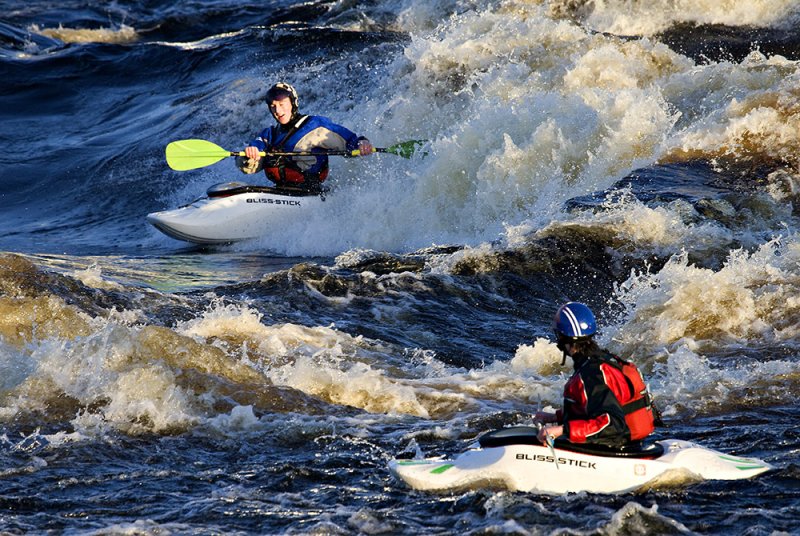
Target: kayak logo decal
441	469
742	464
561	461
273	201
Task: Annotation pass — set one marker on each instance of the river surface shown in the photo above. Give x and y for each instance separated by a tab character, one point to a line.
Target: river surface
642	157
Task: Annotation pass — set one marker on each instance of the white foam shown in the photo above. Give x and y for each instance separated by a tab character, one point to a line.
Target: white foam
523	111
643	229
541	358
753	114
92	276
752	298
122	34
646	18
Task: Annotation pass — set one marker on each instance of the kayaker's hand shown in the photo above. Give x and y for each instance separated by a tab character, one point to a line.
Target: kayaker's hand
251	162
552	430
253	153
365	147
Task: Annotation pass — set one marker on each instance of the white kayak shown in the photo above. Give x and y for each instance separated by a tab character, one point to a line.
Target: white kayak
234	211
512	459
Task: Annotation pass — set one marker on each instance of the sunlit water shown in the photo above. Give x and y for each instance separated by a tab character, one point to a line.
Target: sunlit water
640	158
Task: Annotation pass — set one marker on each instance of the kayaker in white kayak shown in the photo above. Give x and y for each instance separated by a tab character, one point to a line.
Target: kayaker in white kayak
605	400
297	132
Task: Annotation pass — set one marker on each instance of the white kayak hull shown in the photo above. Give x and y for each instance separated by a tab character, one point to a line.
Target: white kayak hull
233	212
535	468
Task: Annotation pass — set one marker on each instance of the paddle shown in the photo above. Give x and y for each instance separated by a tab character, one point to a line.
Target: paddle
548	438
551	444
192	154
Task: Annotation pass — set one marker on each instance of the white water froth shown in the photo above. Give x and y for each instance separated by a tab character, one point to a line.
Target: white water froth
122	34
506	143
624	17
688	327
694	328
135	380
522	112
753	297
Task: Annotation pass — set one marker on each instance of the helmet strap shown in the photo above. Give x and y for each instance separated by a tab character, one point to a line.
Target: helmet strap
561	344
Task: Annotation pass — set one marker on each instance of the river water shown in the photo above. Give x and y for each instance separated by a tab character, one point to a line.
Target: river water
641	157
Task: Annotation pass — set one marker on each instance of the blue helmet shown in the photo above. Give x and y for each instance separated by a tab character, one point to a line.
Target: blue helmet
574	321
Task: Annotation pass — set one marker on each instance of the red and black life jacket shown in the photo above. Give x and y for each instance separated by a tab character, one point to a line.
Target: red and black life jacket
639	411
287	173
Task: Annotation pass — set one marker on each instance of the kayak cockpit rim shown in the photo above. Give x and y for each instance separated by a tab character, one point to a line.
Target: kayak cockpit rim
527	435
226	189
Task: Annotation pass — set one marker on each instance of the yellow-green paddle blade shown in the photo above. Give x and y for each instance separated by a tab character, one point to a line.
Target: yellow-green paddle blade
192	154
405	149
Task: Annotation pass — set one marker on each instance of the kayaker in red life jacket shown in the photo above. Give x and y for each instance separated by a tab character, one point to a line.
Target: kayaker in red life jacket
297	132
605	400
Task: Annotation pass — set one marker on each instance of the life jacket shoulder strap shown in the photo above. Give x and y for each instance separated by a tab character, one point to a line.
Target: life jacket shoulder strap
295	127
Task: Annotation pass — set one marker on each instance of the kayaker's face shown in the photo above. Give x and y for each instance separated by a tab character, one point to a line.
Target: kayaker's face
281	108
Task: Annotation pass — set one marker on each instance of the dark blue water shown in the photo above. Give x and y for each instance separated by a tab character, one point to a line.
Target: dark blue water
641	159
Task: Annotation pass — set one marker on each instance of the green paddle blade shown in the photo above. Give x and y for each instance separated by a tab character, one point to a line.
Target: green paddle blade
192	154
406	149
